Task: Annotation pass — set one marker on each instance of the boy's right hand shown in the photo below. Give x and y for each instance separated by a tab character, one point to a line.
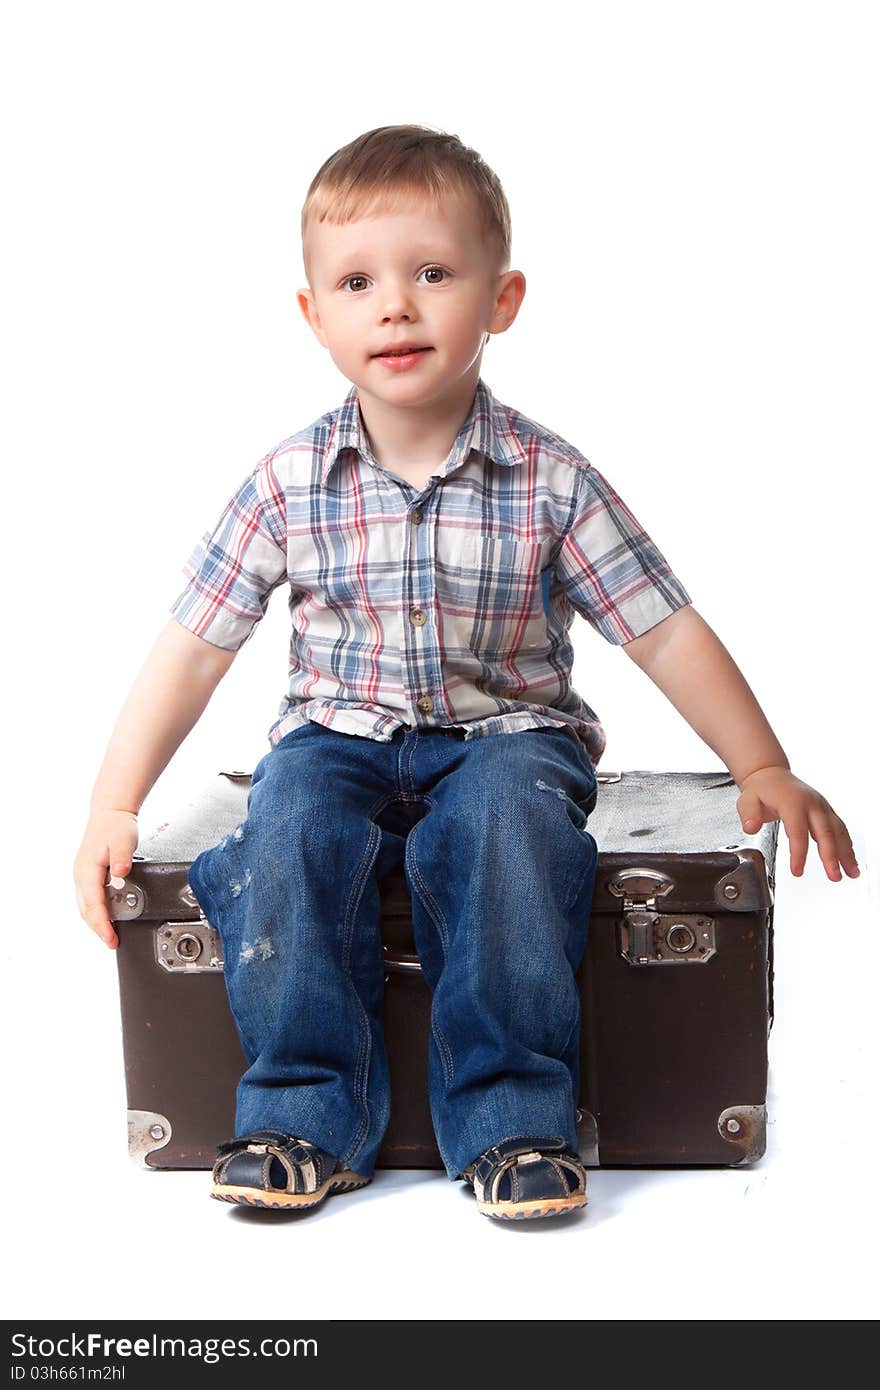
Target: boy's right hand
108	845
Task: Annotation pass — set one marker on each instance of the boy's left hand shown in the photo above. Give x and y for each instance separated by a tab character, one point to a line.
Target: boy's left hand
774	793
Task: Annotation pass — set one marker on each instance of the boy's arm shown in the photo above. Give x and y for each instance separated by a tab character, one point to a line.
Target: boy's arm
687	661
166	700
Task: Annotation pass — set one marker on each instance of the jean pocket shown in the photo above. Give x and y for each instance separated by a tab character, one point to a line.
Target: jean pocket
283	743
295	733
588	802
590	786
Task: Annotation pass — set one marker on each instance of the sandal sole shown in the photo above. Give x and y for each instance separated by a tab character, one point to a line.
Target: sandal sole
288	1201
519	1211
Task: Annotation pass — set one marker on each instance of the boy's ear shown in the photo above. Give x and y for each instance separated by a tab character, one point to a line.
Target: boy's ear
306	301
511	292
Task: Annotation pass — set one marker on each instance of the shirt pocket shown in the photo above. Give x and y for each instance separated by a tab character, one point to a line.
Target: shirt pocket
490	594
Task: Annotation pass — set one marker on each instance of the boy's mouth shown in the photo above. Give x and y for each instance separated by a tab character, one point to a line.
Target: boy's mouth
402	350
401	358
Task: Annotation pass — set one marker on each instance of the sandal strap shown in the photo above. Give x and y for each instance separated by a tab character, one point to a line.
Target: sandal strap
491	1166
260	1136
305	1165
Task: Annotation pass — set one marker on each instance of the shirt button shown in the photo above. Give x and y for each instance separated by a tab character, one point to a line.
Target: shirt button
415	516
418	617
425	704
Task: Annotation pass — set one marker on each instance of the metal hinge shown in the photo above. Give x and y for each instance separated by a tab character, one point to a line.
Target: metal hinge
650	937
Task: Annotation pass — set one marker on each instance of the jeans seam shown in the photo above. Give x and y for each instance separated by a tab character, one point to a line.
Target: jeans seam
570	1034
362	1063
435	912
576	886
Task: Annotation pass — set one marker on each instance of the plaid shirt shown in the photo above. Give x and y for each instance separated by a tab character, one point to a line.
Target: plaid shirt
447	607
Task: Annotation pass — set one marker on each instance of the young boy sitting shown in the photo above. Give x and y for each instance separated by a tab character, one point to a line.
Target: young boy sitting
437	545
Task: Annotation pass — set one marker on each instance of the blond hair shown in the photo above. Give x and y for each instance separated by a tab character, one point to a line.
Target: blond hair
385	168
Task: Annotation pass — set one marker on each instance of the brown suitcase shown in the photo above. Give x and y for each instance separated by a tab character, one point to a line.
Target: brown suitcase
676	986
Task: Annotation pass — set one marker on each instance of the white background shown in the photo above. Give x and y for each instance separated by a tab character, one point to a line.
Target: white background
694	199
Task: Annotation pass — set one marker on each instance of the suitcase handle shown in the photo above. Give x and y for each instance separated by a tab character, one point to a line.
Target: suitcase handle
401	964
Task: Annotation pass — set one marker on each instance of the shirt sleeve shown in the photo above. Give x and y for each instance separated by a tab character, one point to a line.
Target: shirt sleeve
234	568
609	567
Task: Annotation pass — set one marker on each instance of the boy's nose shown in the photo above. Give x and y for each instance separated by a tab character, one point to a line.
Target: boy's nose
396	303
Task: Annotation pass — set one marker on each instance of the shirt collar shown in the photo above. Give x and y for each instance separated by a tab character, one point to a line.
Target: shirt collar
487	429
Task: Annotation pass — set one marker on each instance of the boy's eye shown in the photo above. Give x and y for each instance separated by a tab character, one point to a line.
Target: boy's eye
432	270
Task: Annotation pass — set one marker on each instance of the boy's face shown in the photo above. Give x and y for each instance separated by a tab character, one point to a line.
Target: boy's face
422	275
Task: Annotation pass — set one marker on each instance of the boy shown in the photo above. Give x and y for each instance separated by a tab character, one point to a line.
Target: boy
437	544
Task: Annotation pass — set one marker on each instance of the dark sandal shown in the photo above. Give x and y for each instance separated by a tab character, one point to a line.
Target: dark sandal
268	1168
528	1177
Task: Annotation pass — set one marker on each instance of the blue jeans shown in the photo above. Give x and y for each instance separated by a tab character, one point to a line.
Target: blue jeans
500	868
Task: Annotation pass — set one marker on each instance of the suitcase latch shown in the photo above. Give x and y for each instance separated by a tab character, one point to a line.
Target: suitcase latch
188	947
650	937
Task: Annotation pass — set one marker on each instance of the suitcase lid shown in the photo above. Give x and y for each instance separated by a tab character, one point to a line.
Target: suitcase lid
674	813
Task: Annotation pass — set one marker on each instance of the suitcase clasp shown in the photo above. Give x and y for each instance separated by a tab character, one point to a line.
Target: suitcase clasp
188	947
650	937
